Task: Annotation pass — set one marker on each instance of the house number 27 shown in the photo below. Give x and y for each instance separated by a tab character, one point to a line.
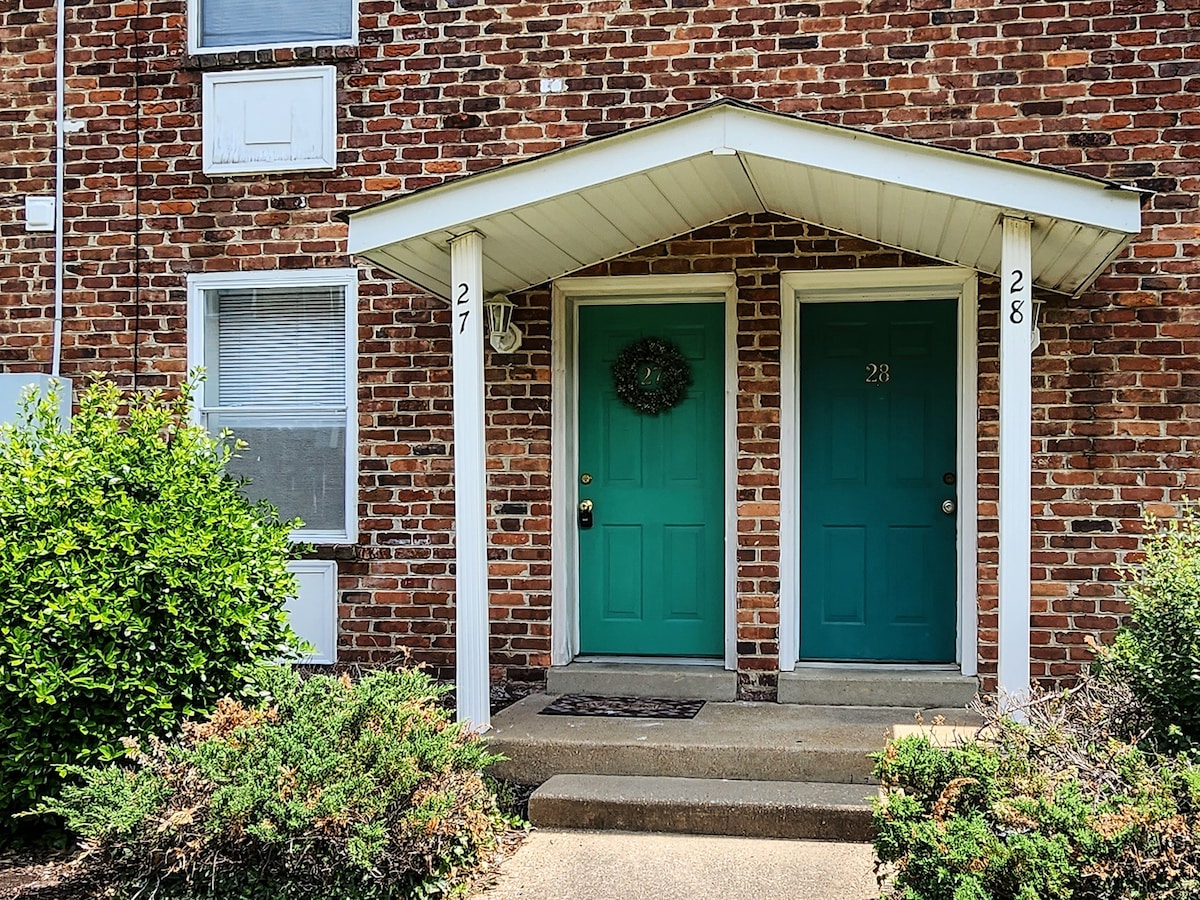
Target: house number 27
462	300
878	373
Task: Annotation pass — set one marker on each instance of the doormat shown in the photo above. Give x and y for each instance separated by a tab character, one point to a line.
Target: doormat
622	707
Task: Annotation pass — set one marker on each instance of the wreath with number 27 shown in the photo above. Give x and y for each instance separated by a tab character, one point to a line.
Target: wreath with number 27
651	376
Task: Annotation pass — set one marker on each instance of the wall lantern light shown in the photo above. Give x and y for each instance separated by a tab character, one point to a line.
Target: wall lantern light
1035	336
505	337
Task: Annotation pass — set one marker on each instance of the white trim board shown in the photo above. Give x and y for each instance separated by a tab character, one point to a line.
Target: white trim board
568	295
347	278
863	285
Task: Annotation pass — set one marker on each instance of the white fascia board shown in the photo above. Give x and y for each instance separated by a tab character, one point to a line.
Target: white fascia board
1005	185
457	205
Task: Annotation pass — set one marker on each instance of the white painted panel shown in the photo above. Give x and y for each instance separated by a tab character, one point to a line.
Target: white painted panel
625	204
313	611
275	120
424	270
981	240
866	196
731	171
784	190
891	215
939	209
557	218
13	386
696	196
958	223
515	248
914	229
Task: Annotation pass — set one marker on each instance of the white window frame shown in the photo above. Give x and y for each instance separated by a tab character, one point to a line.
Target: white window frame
193	35
346	278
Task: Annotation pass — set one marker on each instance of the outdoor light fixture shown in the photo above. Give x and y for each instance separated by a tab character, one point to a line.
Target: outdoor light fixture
505	337
1035	337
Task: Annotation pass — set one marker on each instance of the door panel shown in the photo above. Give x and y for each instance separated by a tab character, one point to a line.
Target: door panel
877	554
651	569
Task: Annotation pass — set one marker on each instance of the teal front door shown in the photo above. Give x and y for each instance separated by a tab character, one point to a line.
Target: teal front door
651	564
877	463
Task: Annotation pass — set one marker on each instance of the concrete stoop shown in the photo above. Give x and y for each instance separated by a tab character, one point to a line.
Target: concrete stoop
904	687
798	771
899	687
775	809
672	682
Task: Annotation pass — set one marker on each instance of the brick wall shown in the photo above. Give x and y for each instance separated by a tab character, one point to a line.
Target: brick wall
437	89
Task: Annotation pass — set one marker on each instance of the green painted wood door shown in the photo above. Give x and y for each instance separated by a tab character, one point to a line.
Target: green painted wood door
651	568
877	450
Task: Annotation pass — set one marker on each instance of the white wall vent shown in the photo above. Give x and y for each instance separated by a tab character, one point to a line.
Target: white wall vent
273	120
313	611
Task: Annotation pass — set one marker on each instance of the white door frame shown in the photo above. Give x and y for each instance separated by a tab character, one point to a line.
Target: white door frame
914	283
568	294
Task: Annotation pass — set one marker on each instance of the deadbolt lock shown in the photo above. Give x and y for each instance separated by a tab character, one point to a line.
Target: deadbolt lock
585	478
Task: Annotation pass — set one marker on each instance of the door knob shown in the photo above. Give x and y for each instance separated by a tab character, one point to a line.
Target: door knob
585	514
948	507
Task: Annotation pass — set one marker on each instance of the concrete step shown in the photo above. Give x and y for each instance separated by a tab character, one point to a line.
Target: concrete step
772	809
667	681
877	686
743	741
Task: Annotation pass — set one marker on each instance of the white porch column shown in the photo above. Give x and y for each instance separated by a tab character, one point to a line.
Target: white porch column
470	481
1016	435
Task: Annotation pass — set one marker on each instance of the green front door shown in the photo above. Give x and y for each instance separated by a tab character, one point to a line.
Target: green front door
651	566
877	445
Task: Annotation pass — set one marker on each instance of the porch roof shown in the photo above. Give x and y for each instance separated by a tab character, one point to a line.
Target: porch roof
555	214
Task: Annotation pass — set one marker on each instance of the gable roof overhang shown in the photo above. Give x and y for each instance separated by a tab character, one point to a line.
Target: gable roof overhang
558	213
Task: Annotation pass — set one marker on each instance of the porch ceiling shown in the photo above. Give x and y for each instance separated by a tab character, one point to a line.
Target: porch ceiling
555	214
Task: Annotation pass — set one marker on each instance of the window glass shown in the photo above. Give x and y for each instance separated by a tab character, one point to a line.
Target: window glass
253	23
276	377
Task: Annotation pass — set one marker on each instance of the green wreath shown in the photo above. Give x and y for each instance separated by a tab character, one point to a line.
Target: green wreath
651	376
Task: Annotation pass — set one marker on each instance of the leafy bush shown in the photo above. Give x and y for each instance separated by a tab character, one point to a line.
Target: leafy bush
341	790
1158	654
1057	808
137	585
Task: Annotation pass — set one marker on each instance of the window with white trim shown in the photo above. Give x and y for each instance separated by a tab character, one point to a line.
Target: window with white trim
223	25
278	353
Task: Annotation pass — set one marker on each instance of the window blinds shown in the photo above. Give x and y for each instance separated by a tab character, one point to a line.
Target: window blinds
276	347
234	23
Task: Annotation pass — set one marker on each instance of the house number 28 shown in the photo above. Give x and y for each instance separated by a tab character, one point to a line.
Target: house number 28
878	373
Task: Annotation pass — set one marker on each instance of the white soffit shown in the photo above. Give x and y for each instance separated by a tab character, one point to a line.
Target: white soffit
555	214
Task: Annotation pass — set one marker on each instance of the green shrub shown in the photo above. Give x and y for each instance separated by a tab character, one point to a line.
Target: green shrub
1050	810
1158	654
340	790
137	585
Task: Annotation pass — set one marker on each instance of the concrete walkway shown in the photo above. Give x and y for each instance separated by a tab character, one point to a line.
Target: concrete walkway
590	865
